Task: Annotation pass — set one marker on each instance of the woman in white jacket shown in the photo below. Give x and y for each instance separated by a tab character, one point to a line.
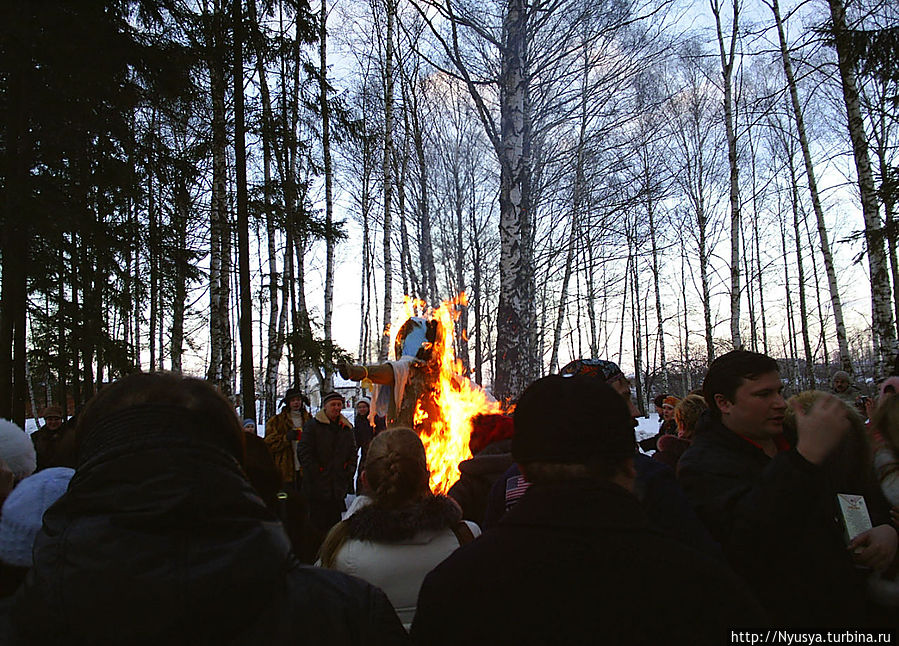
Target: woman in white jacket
406	530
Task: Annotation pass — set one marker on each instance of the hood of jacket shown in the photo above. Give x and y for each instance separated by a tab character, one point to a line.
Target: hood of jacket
159	534
374	523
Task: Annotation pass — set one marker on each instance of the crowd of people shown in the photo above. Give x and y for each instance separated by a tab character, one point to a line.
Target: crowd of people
160	517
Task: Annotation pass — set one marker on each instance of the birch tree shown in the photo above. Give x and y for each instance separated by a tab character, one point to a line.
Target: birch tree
884	332
830	271
727	49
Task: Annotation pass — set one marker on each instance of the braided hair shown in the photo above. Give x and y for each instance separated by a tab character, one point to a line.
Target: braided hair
396	468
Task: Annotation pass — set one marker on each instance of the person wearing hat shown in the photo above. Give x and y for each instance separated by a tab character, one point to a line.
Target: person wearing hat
47	439
20	521
363	432
327	455
576	559
656	488
282	433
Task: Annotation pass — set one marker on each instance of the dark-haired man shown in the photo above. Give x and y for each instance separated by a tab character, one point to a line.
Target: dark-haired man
574	561
769	504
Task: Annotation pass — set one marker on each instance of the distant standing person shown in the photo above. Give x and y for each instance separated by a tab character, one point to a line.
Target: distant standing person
47	439
686	415
282	433
363	431
327	454
843	387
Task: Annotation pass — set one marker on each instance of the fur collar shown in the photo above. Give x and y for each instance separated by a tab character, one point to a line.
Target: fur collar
374	523
321	417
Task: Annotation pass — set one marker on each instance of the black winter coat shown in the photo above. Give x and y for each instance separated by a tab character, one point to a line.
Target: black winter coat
577	563
775	520
477	476
327	454
160	539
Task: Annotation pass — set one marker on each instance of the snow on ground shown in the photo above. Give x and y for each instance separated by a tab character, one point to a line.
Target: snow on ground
647	426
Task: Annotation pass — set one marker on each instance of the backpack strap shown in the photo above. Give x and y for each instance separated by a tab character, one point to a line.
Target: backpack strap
463	533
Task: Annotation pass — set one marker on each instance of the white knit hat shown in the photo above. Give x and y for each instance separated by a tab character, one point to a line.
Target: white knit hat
17	450
23	513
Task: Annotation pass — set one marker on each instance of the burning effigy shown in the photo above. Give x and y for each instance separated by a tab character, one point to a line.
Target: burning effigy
426	388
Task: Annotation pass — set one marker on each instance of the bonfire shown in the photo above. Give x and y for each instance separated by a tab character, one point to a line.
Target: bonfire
443	416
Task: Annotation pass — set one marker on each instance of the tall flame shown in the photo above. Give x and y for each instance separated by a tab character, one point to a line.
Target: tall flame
457	399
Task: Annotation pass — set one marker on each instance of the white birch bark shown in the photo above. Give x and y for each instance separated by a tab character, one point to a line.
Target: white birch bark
329	200
515	311
830	271
884	332
384	342
728	57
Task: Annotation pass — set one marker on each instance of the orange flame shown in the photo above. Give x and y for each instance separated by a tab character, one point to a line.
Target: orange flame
457	398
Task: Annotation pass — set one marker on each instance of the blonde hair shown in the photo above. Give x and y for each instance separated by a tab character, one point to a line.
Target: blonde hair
886	420
687	413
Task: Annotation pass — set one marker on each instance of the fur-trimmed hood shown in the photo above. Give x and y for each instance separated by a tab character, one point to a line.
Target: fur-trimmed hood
374	523
321	417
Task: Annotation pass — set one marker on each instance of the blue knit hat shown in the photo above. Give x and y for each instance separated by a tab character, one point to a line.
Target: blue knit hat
23	513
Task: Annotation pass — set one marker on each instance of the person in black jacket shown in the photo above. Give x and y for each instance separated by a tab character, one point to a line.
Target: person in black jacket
160	539
575	560
327	454
490	444
770	505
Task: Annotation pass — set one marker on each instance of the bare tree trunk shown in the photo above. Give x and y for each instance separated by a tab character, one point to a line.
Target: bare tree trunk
836	302
218	274
414	126
878	109
704	281
750	293
224	315
803	309
303	311
477	288
576	205
516	310
153	267
365	296
384	343
727	69
821	320
591	296
277	316
884	332
462	327
245	325
660	317
637	332
329	200
759	278
182	211
688	375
